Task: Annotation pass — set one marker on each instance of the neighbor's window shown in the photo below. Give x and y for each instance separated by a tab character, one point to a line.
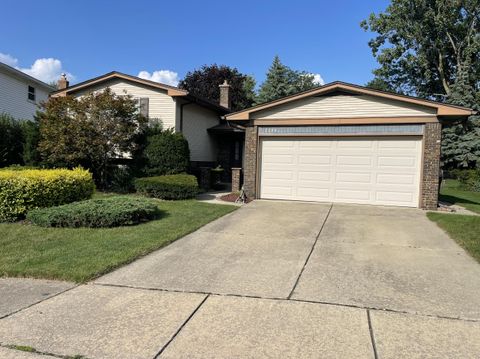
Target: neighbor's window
31	93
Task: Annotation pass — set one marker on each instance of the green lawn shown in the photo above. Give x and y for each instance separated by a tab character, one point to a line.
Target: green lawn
464	229
81	254
452	192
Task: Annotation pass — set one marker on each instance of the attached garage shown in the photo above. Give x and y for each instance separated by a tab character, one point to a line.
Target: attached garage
345	143
368	170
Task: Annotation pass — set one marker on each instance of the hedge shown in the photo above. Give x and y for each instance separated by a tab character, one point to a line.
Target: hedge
21	191
181	186
95	213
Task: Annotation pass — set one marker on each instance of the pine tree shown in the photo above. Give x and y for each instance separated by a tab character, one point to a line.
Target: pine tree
283	81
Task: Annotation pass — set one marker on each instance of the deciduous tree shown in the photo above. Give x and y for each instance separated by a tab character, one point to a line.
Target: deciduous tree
90	131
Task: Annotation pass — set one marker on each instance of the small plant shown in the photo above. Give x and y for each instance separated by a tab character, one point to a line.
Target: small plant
96	213
181	186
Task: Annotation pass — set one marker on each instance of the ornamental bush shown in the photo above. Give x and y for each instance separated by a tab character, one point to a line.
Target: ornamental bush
180	186
23	190
96	213
166	153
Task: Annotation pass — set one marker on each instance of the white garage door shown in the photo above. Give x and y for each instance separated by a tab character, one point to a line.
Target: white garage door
375	170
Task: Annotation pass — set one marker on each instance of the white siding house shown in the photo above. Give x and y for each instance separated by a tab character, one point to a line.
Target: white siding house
20	94
170	106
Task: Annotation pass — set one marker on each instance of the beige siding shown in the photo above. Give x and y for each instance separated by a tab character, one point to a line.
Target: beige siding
161	106
343	106
14	96
196	121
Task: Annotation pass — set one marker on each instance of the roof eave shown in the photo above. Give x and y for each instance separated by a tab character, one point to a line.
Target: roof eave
442	109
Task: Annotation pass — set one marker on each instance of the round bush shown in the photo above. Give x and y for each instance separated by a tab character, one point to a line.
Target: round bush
181	186
23	190
166	153
95	213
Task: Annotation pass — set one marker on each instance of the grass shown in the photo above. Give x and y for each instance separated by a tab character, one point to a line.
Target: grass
464	229
453	192
81	254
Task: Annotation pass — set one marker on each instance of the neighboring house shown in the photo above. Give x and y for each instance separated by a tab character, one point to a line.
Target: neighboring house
20	94
174	108
345	143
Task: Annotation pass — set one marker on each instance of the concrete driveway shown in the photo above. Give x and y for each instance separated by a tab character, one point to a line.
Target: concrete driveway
274	279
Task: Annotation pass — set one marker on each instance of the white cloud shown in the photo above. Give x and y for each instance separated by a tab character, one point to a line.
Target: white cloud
8	59
317	79
46	70
163	76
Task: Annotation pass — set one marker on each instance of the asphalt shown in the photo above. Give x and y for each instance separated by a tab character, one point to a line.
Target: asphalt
272	279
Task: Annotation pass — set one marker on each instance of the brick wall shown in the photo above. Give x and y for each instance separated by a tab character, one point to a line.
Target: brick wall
431	165
250	164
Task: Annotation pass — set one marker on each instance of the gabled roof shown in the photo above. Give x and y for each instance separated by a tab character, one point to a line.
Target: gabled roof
171	90
17	73
442	108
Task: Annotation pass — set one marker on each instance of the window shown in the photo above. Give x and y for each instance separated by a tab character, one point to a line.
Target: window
143	106
31	93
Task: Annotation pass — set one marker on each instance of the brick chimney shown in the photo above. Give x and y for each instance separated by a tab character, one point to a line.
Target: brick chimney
225	100
62	82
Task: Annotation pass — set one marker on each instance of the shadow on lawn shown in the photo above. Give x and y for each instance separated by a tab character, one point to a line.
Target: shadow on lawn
454	199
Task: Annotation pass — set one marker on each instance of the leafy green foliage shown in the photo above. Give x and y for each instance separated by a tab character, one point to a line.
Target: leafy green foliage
204	83
469	178
283	81
89	131
96	213
23	190
430	48
31	137
166	153
180	186
11	141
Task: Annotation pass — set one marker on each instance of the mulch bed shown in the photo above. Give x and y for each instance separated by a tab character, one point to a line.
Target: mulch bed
232	197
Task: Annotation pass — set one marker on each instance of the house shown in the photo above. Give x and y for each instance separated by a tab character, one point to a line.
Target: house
198	119
20	94
345	143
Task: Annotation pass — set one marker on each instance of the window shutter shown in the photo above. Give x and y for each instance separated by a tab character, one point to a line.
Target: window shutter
144	106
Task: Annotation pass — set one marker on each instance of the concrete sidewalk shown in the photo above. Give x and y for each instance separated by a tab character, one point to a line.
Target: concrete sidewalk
273	279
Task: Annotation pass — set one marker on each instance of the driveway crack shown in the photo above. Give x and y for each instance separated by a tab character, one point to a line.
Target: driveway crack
181	327
311	251
372	335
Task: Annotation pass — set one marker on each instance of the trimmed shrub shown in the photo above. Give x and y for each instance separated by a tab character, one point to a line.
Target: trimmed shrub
96	213
181	186
470	179
23	190
166	153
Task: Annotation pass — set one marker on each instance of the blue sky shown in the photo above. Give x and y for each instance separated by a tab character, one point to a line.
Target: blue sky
87	38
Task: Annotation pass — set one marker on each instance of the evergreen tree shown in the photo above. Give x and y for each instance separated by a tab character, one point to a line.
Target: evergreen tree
283	81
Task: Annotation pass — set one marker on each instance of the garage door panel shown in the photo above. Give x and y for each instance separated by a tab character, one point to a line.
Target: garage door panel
314	176
278	175
351	195
343	160
353	177
279	159
397	161
396	179
380	170
314	159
